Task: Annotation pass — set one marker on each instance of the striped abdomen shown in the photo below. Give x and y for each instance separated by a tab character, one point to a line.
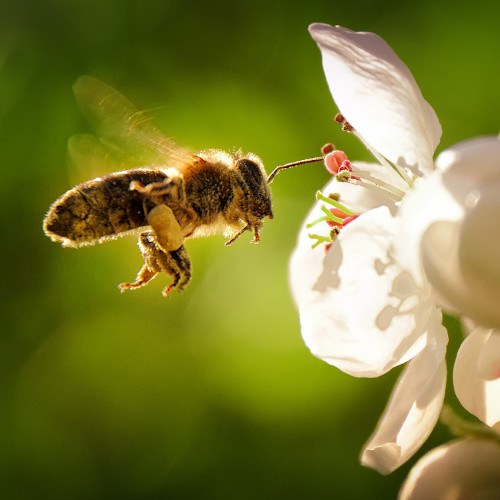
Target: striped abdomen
100	209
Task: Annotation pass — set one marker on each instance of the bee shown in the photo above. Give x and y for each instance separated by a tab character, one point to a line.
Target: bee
170	196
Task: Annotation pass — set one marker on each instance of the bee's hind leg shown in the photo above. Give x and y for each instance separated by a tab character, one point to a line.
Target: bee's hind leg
174	263
144	276
180	265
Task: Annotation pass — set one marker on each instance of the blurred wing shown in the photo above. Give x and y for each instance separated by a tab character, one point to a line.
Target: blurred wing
126	137
91	158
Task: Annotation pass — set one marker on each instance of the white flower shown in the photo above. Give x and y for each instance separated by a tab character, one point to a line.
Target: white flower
476	375
468	468
458	207
372	301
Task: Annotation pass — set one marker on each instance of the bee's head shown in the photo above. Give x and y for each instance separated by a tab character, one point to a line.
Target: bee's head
254	175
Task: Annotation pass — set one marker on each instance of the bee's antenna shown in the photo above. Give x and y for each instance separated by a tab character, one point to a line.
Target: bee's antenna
272	175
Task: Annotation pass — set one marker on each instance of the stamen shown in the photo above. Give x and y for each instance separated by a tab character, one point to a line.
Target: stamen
327	148
372	182
334	202
347	127
317	221
345	174
337	221
339	118
319	239
336	217
384	162
337	163
335	160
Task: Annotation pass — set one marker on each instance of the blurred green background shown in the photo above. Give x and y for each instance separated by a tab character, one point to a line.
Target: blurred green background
211	393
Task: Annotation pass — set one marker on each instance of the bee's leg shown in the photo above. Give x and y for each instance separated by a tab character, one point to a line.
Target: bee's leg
150	269
248	227
237	235
144	276
172	188
182	269
256	236
175	263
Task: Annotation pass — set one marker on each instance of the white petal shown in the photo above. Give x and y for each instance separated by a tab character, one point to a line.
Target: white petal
476	375
413	409
447	234
306	264
358	310
378	96
428	201
466	469
481	151
480	256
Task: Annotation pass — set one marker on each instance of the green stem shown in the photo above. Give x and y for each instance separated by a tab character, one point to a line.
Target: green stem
465	428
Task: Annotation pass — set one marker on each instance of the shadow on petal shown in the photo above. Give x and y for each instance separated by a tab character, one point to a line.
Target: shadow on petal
363	314
329	277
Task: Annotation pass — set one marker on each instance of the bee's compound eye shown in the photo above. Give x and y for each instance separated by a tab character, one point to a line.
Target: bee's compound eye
255	178
252	174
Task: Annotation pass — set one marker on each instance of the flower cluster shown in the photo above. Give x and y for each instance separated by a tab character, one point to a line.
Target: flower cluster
407	237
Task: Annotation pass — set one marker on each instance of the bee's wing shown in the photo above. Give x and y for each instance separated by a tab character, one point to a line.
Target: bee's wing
91	158
125	136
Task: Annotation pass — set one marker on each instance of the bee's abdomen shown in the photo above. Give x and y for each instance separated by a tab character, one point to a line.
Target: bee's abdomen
99	209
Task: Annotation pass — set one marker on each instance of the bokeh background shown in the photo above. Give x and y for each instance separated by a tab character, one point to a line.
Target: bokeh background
211	393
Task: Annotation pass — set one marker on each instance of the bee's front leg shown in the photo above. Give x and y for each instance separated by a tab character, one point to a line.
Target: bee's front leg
256	236
175	263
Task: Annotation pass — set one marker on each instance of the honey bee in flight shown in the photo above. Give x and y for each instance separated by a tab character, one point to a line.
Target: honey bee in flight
172	195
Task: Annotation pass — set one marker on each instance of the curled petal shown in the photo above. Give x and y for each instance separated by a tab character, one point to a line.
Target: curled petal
358	310
413	408
378	96
476	375
464	469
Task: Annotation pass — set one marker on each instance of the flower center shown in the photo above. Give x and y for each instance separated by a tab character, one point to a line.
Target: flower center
338	164
337	216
